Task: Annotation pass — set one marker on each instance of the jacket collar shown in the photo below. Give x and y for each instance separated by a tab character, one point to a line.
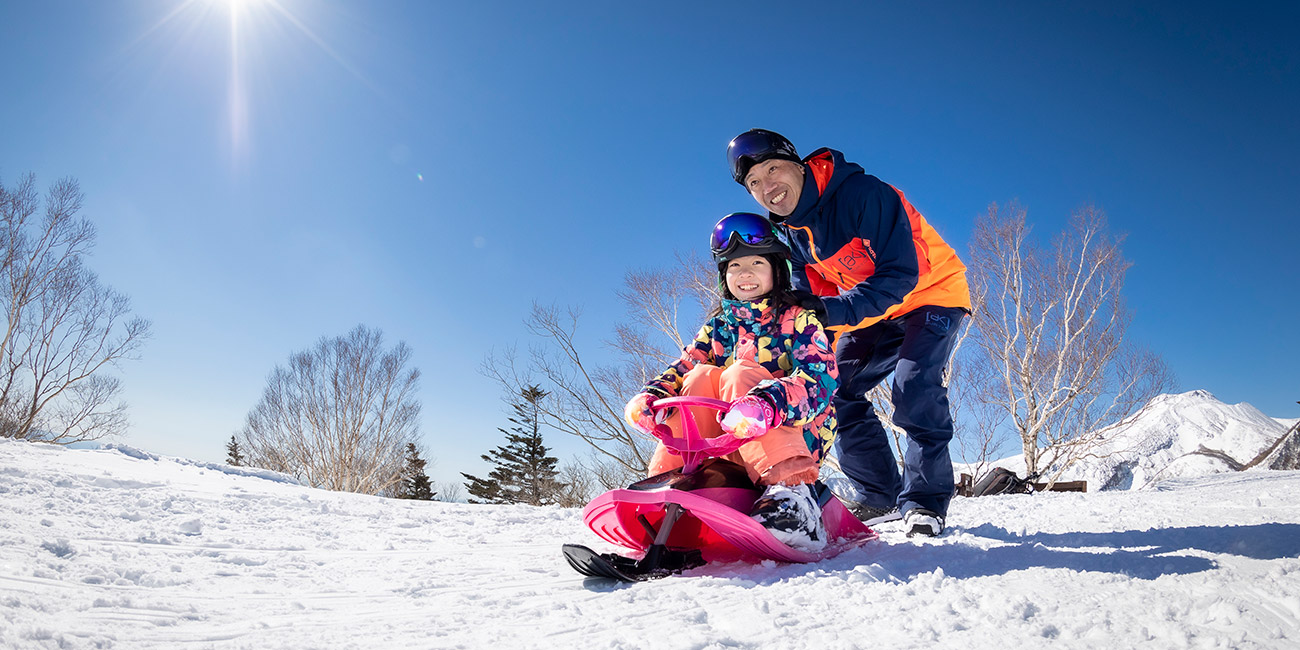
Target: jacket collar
745	310
824	171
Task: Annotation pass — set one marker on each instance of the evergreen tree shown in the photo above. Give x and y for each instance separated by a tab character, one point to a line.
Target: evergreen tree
523	472
484	490
415	483
234	456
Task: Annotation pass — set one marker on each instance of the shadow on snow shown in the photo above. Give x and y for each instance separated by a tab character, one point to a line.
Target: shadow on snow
1140	554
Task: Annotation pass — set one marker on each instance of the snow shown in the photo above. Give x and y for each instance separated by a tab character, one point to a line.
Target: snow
120	548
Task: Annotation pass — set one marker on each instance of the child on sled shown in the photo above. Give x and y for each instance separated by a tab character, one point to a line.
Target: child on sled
770	356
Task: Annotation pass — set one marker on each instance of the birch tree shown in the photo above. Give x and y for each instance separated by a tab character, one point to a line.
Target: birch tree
1051	326
340	416
64	330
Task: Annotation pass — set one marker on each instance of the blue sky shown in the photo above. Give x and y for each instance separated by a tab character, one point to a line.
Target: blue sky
432	168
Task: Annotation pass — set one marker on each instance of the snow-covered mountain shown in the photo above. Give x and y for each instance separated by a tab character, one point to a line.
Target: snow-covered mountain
119	548
1185	435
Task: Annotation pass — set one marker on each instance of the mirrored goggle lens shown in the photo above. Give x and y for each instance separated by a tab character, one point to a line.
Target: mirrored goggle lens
747	228
750	148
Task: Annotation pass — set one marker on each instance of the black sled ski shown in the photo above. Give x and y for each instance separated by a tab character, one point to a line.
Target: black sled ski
659	560
625	569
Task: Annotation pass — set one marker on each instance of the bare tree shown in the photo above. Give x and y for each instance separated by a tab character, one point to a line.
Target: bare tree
450	492
63	328
588	401
340	416
579	486
1051	327
979	432
659	303
587	398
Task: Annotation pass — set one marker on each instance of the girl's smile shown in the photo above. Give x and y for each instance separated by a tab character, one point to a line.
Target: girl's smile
749	277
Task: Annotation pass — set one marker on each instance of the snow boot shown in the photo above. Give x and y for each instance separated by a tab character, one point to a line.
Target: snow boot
871	515
792	515
920	521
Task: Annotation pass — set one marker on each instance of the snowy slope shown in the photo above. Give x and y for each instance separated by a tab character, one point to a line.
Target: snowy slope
1176	436
121	549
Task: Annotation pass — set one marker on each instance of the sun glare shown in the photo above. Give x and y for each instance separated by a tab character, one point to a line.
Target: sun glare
246	25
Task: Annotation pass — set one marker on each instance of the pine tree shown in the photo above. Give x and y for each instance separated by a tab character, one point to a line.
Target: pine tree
484	490
523	472
234	457
415	483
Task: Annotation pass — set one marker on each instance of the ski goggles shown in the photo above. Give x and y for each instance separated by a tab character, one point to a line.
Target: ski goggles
753	147
738	228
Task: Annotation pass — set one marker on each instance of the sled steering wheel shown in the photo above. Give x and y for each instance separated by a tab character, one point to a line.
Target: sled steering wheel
690	446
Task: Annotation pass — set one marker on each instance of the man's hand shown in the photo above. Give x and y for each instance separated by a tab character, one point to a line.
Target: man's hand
812	303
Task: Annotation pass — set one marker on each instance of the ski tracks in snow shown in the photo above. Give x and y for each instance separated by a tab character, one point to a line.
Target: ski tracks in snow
162	564
107	549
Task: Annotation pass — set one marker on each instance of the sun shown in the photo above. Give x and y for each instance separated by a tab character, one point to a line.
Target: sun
236	4
246	25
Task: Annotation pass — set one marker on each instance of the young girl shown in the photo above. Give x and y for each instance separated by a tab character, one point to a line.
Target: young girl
770	356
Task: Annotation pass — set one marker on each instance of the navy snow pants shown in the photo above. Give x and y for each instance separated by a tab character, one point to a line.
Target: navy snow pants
915	347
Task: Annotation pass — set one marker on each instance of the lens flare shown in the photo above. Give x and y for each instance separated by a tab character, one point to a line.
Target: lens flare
249	78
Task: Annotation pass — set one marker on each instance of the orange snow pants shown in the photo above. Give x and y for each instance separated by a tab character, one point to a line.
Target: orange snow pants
778	456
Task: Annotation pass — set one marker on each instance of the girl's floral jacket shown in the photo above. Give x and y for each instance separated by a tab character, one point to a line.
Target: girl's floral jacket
793	347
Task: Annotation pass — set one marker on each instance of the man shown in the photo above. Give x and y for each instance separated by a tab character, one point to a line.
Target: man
893	293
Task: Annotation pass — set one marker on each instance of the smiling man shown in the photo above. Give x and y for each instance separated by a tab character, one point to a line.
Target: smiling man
894	294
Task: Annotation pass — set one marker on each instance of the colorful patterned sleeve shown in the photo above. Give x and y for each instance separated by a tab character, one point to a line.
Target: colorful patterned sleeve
704	349
806	390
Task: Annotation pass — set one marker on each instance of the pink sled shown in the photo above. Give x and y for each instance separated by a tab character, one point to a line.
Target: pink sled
715	516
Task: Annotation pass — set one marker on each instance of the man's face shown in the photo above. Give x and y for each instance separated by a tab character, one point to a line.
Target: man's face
776	185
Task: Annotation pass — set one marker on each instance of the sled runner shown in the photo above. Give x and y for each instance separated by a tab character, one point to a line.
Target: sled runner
687	517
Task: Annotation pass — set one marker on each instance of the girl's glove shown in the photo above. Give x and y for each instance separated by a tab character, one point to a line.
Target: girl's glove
638	413
750	417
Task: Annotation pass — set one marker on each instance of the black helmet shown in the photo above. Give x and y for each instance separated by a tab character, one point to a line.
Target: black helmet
744	233
753	147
